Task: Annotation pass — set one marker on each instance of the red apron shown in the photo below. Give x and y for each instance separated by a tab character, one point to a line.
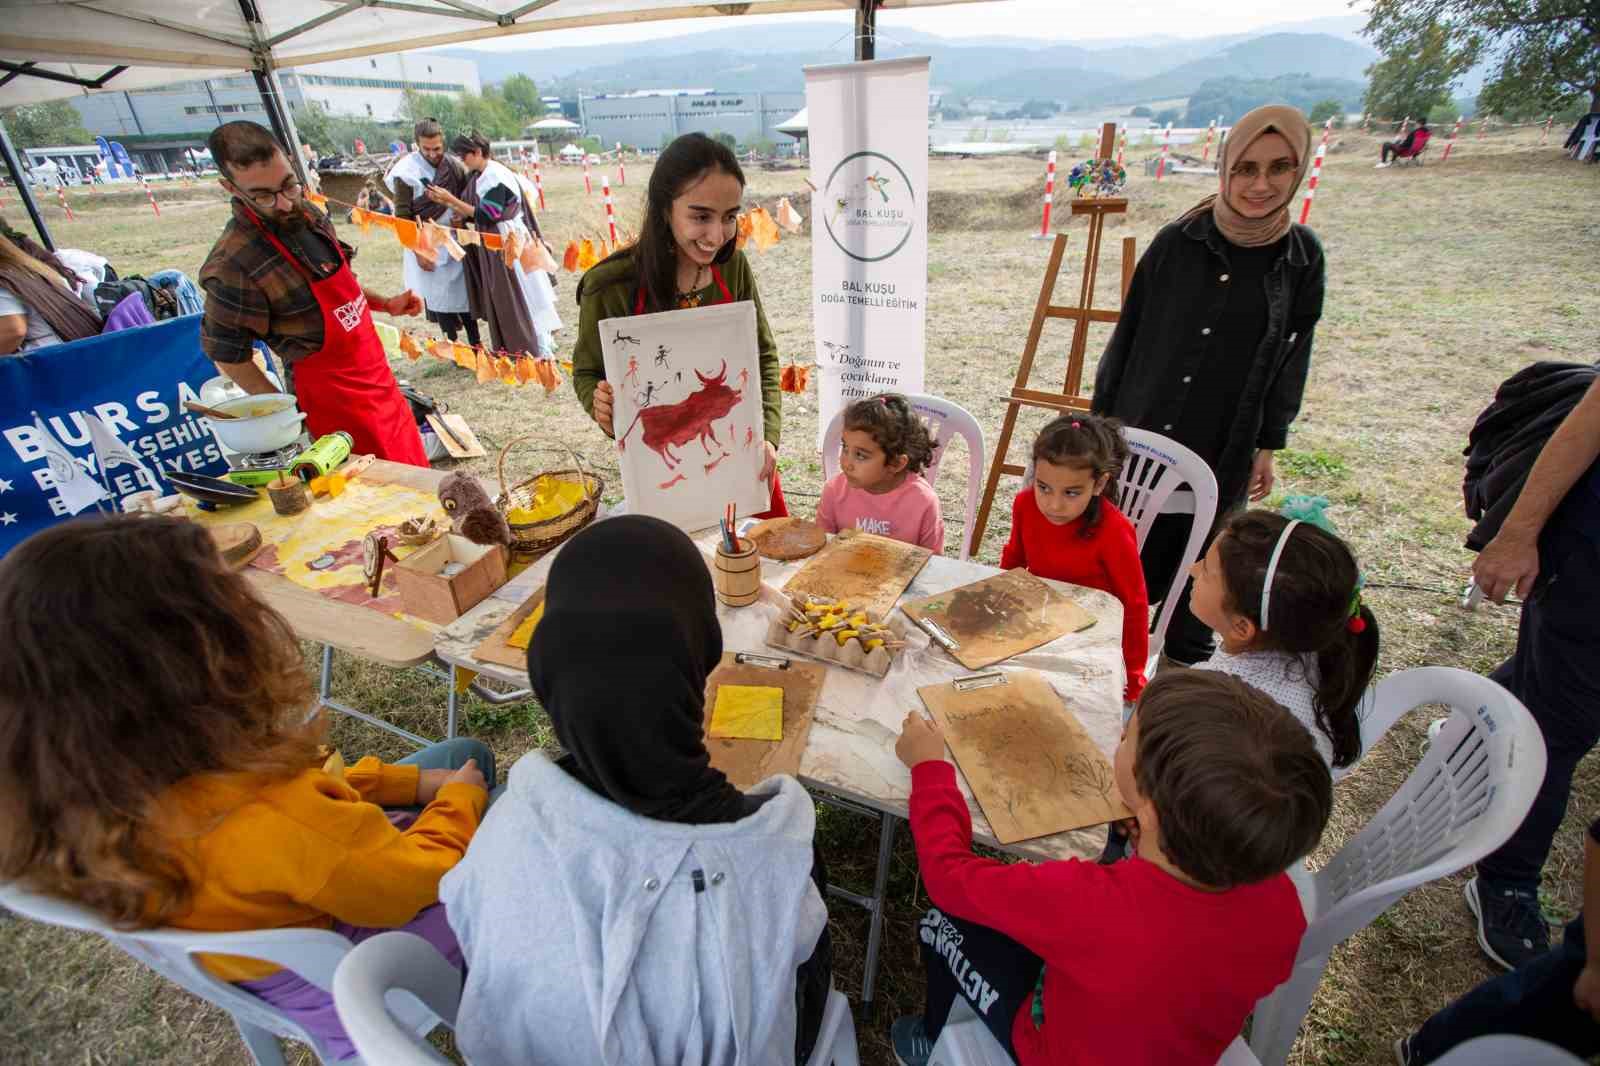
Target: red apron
779	508
348	385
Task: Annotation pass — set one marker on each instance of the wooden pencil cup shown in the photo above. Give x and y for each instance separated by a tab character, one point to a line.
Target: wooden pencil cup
288	495
737	575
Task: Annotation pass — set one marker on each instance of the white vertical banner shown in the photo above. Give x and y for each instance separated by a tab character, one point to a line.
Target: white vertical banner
869	228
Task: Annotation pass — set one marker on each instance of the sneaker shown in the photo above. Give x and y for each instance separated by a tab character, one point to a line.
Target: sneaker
1382	166
911	1044
1435	727
1403	1054
1511	929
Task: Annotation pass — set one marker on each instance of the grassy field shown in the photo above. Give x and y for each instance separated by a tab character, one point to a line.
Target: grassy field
1443	280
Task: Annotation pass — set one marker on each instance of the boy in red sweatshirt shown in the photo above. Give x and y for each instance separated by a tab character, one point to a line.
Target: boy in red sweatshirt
1227	791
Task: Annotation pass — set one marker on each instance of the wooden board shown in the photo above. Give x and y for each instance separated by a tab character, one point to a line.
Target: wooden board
456	436
787	538
494	648
748	761
867	570
1025	755
990	620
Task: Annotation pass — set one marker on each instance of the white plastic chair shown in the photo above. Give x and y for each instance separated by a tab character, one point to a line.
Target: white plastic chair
965	1041
1465	798
1148	486
945	419
312	953
392	971
1504	1050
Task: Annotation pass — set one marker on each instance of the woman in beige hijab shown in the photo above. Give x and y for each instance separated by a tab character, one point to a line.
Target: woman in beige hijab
1214	340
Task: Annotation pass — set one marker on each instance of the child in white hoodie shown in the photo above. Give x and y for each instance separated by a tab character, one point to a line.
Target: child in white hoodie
625	904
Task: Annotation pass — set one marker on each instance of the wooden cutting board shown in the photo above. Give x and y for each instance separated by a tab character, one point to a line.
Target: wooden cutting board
494	649
990	620
748	761
1025	755
868	570
787	538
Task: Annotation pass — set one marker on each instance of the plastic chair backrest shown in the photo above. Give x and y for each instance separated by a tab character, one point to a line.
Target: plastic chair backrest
836	1038
1469	793
1155	468
392	968
945	419
964	1041
1502	1049
313	954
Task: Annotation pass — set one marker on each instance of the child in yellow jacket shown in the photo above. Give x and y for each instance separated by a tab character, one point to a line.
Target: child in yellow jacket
157	764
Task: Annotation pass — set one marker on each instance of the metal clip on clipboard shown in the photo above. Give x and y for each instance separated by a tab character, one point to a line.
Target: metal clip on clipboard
769	662
973	682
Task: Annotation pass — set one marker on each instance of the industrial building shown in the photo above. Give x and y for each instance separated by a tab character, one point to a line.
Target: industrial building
650	118
371	88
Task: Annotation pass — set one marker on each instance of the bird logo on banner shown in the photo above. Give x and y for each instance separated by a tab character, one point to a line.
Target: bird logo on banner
110	452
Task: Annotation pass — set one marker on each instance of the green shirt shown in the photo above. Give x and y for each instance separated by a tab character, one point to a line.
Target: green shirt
609	291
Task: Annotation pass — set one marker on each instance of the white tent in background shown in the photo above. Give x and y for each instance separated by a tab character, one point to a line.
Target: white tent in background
572	151
551	125
797	125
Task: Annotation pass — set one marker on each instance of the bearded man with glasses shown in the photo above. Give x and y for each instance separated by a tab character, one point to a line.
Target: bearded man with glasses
279	274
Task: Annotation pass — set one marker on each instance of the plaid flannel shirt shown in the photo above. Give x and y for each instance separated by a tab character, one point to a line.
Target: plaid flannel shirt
253	293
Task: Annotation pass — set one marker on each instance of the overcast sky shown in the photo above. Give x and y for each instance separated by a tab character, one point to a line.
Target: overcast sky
1007	18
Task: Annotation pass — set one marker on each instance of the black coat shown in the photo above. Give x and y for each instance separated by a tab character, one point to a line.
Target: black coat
1509	435
1178	293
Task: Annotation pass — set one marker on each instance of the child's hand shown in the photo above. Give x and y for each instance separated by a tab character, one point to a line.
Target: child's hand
921	740
430	781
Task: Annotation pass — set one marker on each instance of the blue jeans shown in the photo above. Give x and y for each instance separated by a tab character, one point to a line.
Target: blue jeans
453	755
1555	672
1534	1000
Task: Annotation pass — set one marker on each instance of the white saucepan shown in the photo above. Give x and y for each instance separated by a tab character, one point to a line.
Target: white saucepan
263	423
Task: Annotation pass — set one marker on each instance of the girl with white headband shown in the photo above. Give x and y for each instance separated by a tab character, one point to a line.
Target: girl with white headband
1284	595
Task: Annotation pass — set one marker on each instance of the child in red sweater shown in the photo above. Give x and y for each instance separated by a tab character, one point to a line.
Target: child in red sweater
1227	791
1066	526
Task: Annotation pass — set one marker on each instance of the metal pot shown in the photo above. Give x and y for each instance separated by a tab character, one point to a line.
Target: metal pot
277	426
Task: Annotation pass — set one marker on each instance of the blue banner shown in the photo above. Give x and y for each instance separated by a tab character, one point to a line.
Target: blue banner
136	381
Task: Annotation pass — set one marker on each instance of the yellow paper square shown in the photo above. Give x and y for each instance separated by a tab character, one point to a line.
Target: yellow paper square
748	712
522	636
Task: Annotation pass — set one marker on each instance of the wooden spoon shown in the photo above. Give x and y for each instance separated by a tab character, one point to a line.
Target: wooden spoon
209	412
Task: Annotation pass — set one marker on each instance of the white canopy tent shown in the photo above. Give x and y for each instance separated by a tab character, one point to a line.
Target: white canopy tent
52	49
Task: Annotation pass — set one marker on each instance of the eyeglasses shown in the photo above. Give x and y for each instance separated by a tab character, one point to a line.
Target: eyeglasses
1250	170
290	191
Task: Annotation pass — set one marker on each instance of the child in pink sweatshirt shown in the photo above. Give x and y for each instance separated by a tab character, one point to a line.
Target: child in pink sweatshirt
879	488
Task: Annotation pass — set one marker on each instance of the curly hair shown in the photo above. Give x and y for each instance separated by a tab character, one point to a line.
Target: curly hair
1086	442
135	658
894	425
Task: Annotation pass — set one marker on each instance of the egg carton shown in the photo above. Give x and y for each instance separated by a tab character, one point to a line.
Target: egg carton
825	646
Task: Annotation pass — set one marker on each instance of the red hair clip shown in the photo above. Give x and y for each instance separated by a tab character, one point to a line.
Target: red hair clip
1076	424
1357	624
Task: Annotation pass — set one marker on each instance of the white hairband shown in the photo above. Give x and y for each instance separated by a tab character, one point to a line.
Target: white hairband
1272	568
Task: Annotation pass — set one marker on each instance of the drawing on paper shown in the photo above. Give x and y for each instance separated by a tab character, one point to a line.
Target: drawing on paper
678	433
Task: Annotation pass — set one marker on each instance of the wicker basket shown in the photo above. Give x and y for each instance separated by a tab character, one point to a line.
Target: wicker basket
529	540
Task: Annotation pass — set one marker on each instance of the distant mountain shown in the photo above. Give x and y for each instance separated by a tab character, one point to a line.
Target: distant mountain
1093	74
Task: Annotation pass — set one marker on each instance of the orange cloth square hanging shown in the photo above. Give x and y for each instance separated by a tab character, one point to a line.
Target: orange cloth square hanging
526	371
466	358
745	227
586	257
442	349
486	369
408	347
569	260
505	369
763	230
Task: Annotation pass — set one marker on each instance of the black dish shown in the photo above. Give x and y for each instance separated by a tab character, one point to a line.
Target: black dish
211	489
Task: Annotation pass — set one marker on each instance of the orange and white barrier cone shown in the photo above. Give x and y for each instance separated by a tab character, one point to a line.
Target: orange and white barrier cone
1546	135
61	195
611	218
1211	131
1122	144
1049	195
538	183
1166	143
588	188
1482	127
1451	143
150	196
622	173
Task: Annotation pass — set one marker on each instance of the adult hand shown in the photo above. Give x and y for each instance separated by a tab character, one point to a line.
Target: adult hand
600	408
769	462
921	740
407	303
1511	560
1261	475
425	264
438	195
1586	991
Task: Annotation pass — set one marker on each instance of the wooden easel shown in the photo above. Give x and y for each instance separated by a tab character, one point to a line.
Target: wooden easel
1069	398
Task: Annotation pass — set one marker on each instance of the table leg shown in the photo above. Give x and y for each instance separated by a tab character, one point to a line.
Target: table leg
450	703
325	698
880	886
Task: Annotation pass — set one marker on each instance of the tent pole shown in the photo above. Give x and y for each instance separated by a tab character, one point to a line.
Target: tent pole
24	190
271	90
866	30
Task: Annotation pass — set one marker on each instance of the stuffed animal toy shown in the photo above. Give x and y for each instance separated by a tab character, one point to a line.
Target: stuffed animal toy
472	513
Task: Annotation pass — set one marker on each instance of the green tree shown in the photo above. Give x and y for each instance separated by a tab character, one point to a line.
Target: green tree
1141	112
1546	51
1323	110
726	138
46	125
1171	114
522	95
1415	79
